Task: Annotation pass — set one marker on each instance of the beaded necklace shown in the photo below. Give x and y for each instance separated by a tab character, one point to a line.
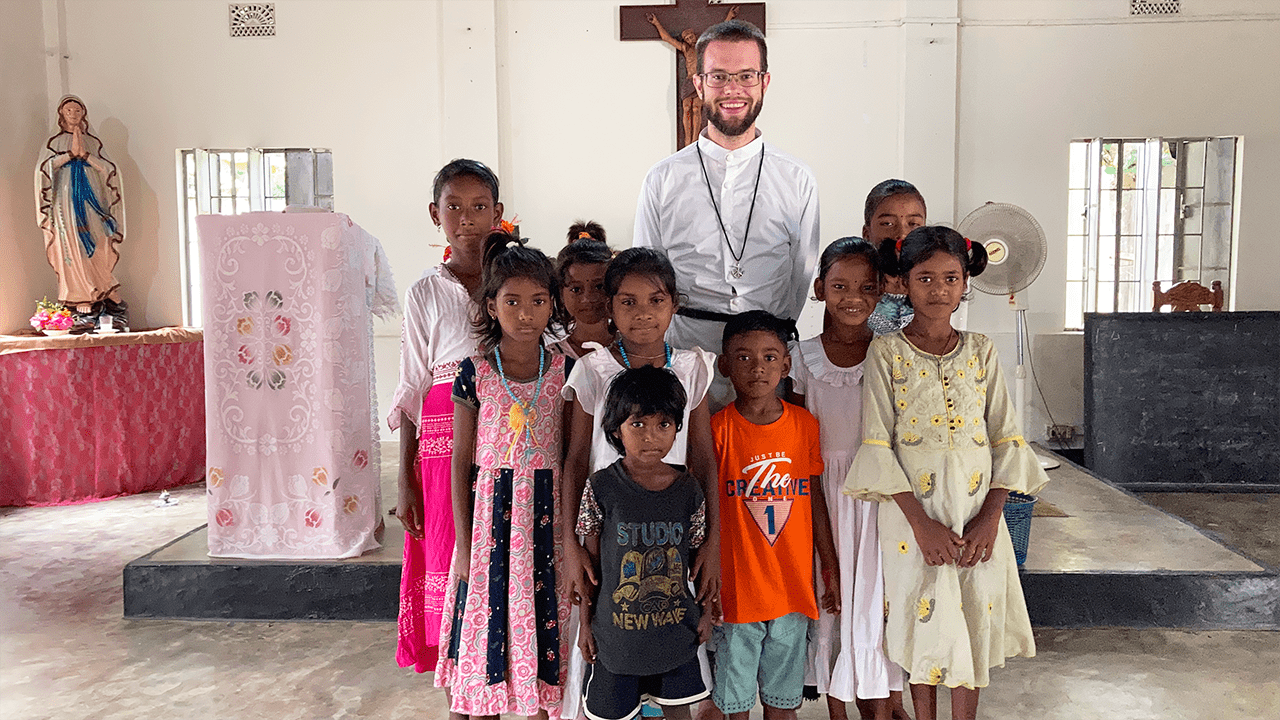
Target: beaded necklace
522	414
666	349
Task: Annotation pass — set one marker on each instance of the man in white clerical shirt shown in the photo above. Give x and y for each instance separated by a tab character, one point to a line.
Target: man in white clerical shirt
737	217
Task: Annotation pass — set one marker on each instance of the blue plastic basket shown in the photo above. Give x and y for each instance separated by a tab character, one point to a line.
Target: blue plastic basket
1017	515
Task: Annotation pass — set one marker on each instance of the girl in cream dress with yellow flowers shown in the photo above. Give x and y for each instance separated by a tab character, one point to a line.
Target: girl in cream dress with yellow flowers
940	439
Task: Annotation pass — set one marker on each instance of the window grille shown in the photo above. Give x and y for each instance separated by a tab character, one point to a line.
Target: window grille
1147	210
252	19
234	181
1155	7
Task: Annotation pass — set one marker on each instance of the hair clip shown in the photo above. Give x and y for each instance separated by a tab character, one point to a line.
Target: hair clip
968	245
584	235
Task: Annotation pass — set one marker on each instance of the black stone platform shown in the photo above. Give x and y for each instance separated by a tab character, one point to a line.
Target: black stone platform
175	582
1114	561
1120	562
1191	600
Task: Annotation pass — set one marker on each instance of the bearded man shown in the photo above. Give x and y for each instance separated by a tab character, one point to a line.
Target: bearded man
737	217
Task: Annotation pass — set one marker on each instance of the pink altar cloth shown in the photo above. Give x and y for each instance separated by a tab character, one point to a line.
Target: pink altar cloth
293	458
95	416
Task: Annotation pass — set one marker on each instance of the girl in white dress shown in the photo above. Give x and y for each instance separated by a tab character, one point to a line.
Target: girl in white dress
846	653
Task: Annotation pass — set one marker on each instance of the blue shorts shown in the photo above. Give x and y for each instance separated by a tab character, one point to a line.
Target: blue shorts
606	696
766	658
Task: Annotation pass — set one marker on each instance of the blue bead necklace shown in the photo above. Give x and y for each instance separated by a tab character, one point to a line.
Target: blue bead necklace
522	414
666	348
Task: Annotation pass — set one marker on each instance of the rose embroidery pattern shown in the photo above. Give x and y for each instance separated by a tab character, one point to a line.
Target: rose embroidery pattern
265	349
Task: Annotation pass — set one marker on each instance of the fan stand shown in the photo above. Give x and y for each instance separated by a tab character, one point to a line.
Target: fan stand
1019	306
1008	231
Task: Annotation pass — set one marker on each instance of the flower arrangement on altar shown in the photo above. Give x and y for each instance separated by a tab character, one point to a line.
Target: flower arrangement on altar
52	315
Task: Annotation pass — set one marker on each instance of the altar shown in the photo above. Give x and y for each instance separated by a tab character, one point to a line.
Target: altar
289	301
89	417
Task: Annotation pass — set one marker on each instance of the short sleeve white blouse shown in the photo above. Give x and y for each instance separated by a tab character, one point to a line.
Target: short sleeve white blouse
589	384
833	394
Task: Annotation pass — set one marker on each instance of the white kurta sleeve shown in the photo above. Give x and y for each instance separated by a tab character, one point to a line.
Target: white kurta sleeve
583	383
805	250
648	228
702	376
415	358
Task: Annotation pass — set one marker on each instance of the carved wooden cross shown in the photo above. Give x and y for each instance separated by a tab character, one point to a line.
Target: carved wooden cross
670	23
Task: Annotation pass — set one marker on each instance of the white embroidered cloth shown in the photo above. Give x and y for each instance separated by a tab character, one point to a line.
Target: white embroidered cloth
293	456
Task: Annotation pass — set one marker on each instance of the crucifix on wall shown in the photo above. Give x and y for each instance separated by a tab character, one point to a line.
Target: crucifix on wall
689	18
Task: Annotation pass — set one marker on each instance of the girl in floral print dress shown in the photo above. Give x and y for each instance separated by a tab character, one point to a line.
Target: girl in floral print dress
941	442
503	650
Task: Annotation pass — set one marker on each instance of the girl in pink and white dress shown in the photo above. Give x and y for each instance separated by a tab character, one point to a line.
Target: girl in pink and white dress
434	339
504	649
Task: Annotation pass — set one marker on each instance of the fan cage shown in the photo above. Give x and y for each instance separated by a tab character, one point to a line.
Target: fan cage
1024	238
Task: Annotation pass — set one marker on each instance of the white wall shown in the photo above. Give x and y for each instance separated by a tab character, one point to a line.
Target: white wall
358	78
971	99
1033	78
25	275
361	78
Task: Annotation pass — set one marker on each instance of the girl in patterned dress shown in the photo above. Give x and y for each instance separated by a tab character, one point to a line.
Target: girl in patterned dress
434	338
504	648
941	450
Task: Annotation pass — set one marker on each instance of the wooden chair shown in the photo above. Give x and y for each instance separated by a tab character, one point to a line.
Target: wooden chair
1188	296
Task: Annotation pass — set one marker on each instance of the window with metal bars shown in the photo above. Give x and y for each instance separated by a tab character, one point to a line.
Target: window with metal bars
1147	210
229	182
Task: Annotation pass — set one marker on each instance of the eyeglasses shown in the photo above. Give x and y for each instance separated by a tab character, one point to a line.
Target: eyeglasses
746	78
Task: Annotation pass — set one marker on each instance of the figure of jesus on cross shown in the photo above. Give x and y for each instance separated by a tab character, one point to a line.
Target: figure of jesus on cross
689	120
690	103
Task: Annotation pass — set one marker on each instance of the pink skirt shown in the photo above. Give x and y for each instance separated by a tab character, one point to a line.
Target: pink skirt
425	569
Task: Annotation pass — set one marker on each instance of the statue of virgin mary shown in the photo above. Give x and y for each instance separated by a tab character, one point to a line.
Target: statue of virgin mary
81	211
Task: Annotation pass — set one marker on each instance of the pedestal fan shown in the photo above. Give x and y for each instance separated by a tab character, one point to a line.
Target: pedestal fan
1016	251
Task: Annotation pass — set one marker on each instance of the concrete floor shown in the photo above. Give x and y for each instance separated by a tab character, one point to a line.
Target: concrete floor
65	651
1249	522
1109	530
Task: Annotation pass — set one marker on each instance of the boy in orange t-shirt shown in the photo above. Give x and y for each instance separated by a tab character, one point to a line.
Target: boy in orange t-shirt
773	516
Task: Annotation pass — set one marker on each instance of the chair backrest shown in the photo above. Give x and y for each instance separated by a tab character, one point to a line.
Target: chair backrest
1188	296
